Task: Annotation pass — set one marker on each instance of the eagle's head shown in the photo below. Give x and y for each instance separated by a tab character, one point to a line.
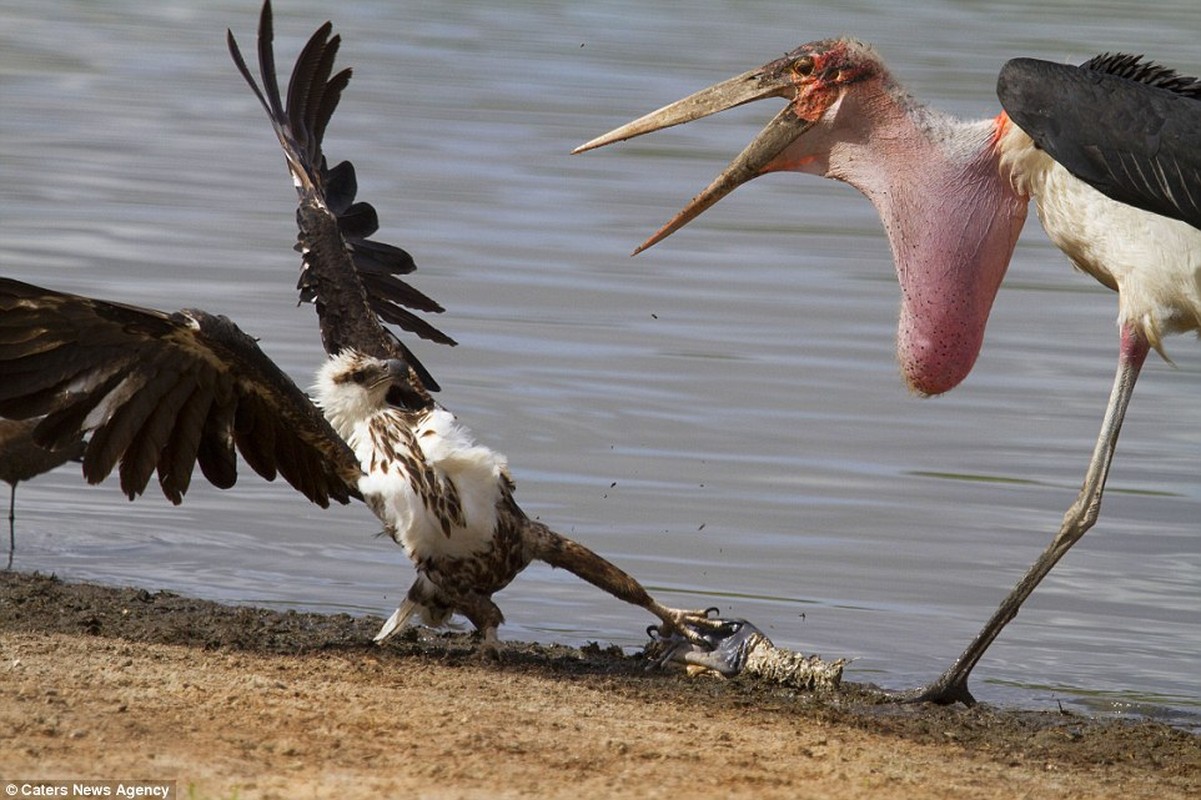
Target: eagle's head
351	386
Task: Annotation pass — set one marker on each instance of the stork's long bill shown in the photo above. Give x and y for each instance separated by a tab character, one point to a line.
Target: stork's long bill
751	162
952	216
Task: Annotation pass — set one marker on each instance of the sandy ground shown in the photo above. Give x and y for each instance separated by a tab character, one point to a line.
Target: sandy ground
119	684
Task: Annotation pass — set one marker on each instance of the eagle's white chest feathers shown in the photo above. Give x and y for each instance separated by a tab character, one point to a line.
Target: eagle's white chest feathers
434	488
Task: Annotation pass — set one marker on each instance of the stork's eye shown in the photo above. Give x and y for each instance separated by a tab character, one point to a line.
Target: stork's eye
803	66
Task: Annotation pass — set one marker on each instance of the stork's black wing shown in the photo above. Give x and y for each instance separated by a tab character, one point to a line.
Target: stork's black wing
352	280
161	392
1127	127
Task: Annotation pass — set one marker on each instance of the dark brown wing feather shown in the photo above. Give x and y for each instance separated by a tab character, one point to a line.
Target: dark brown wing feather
21	458
352	280
161	392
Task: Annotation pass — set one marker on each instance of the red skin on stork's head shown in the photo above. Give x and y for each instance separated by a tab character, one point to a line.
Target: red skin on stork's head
951	217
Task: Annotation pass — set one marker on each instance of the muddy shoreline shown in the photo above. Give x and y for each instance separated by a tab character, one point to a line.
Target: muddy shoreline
218	697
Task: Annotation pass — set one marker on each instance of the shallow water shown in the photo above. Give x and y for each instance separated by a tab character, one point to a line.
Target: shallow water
722	415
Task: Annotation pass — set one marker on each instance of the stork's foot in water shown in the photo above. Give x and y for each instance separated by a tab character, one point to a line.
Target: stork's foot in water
731	647
947	690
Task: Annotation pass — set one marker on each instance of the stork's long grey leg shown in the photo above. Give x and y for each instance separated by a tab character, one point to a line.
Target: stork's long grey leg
12	522
951	686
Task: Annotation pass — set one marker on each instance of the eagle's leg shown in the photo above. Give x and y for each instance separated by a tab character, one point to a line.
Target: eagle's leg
559	551
695	626
478	607
486	616
433	606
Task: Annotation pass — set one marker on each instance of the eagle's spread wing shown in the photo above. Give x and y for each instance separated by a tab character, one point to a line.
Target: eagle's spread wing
1148	151
352	280
161	392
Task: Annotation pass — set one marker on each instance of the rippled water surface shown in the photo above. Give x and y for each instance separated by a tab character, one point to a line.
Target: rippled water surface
721	415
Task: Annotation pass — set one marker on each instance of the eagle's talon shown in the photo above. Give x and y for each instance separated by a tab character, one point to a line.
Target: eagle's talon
711	644
691	624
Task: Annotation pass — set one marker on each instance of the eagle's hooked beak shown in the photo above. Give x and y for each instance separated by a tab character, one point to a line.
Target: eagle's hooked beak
396	370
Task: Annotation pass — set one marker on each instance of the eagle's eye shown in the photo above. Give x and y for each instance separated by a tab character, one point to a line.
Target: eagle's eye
359	375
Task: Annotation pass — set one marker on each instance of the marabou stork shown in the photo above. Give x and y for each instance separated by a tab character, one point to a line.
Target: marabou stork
953	195
21	459
158	392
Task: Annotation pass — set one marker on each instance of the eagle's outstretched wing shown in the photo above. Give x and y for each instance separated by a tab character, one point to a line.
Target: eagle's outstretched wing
353	280
1148	152
161	392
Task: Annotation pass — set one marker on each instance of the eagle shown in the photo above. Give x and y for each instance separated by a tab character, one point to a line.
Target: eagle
159	393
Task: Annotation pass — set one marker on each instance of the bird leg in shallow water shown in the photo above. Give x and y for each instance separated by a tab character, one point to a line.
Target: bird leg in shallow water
951	686
734	647
12	525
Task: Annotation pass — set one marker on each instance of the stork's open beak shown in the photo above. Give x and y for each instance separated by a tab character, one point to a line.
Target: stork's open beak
770	80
